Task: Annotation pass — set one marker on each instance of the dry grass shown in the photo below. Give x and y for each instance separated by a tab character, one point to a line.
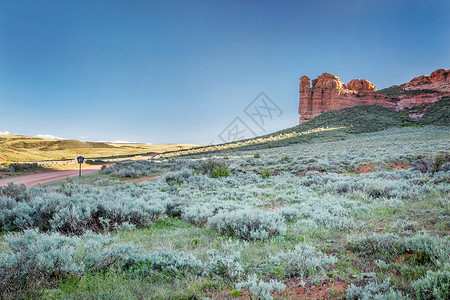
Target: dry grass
24	148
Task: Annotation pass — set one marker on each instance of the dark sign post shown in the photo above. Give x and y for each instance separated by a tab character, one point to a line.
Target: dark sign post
80	160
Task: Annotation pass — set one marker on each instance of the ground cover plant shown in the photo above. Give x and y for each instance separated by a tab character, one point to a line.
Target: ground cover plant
367	217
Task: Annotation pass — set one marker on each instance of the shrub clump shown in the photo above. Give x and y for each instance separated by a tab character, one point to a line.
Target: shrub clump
374	290
303	260
265	174
178	177
169	263
426	248
78	209
214	168
226	263
37	261
220	172
14	191
249	224
432	164
260	289
435	285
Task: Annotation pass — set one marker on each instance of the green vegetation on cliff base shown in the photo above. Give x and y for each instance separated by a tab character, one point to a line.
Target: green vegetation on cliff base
437	113
397	90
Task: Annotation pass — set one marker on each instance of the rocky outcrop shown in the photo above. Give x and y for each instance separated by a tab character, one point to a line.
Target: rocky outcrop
440	75
304	82
328	92
327	81
361	85
438	80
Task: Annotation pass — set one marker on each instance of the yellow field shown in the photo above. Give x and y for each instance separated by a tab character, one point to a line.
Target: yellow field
24	148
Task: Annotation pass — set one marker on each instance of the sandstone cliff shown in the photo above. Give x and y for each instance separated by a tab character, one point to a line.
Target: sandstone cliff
328	92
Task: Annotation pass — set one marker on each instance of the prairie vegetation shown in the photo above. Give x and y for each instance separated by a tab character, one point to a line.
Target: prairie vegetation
23	148
361	218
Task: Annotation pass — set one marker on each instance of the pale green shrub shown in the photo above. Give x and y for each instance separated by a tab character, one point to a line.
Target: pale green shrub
177	177
428	248
170	263
289	213
248	224
435	285
226	262
81	208
13	191
303	260
378	291
200	212
260	289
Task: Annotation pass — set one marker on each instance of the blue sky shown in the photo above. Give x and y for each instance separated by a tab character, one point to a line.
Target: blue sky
181	71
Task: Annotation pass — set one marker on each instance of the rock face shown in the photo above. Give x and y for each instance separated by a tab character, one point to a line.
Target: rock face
361	85
440	75
438	80
327	81
328	92
304	82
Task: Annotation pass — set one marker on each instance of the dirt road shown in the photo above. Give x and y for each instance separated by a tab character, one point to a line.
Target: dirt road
41	178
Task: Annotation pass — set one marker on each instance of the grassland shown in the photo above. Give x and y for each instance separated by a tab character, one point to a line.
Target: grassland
364	217
24	148
353	204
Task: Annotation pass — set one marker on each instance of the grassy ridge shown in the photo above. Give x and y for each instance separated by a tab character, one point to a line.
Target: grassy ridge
24	148
336	125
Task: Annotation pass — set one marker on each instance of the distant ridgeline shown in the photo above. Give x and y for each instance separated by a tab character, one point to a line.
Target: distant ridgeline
327	92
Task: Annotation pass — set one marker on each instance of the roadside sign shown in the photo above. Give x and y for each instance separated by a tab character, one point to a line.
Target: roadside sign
80	160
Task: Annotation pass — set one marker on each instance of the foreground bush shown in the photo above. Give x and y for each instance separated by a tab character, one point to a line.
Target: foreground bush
250	224
80	208
260	289
302	261
13	191
435	285
169	263
427	248
36	261
373	290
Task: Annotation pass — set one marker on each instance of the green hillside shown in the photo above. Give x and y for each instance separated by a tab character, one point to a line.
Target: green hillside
337	125
437	113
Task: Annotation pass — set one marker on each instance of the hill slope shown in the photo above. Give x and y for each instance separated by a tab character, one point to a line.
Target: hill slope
337	125
25	148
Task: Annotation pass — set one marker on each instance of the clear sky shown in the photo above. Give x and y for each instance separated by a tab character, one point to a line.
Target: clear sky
181	71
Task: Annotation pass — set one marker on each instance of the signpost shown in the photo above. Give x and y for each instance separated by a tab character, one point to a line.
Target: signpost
80	160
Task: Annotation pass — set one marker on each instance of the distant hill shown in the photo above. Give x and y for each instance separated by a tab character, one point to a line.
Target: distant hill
25	148
339	124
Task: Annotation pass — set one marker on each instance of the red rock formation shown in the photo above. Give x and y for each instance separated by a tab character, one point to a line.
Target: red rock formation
438	80
329	93
440	75
421	80
304	82
327	81
361	85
